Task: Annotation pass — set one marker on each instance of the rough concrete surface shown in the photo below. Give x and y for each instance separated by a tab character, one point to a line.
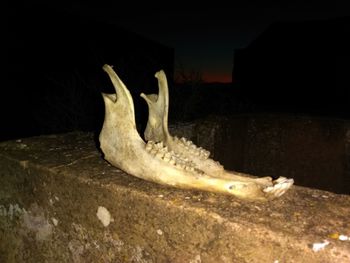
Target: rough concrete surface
61	202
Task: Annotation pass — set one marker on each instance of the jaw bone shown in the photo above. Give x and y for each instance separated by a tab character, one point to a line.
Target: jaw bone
155	161
157	130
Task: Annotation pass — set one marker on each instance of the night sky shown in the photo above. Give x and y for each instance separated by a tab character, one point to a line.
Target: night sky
205	36
51	58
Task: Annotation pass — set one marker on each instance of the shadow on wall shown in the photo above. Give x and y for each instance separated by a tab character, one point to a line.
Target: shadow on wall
313	151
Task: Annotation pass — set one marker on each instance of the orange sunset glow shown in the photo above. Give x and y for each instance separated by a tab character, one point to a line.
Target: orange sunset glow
222	77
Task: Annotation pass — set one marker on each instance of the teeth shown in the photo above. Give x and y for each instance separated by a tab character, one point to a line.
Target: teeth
159	145
148	147
154	151
179	165
218	163
172	160
200	172
167	155
204	153
166	158
159	155
189	168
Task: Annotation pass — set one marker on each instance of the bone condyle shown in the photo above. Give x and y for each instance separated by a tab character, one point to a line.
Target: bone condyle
165	159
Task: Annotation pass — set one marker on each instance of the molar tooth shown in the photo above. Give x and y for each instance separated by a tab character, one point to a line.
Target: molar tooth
154	151
159	155
193	146
180	161
179	165
218	163
148	147
205	153
172	160
189	168
159	145
166	158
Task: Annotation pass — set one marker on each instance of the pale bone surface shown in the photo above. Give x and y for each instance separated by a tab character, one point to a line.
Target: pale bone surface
165	159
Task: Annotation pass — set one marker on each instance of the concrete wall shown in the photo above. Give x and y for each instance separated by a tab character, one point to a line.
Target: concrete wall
313	151
61	202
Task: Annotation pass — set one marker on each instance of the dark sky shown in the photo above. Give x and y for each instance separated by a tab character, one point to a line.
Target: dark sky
205	35
204	38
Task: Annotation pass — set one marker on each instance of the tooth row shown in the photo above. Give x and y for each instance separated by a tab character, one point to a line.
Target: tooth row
178	160
192	148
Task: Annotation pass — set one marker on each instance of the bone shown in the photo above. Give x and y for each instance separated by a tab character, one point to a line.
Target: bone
166	158
160	155
149	147
163	159
172	161
158	128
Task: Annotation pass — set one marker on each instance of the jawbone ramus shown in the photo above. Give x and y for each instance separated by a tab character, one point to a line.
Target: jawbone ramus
165	159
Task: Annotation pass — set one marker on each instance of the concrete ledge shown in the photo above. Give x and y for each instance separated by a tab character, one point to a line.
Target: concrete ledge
53	186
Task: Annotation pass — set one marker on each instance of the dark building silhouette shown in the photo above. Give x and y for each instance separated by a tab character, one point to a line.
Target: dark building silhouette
298	67
54	70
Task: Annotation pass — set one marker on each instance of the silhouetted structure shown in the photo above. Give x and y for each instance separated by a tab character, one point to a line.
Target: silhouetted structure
54	70
298	67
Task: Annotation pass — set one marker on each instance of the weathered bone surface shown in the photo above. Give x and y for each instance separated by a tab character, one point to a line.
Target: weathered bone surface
165	159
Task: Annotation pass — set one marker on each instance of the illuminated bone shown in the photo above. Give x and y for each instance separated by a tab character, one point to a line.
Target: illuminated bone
154	161
157	130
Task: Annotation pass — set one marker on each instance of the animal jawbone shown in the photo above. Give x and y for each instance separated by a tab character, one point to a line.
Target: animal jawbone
165	159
